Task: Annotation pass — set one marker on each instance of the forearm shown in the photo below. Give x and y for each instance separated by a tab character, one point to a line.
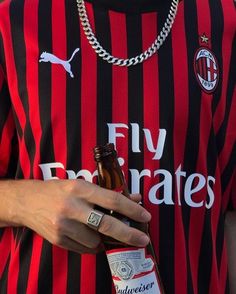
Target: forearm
11	201
230	229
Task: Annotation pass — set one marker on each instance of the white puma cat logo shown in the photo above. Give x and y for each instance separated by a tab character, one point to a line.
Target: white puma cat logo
48	57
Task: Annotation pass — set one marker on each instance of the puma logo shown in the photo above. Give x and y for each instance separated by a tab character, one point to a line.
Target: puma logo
49	57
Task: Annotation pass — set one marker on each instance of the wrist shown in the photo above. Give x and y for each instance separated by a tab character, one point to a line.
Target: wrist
14	202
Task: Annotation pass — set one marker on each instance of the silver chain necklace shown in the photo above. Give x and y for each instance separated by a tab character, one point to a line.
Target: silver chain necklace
134	60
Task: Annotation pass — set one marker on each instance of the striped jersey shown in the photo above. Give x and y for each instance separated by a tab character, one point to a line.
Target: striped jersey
172	120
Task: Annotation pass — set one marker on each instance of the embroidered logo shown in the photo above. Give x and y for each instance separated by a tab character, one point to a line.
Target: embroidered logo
49	57
206	69
204	38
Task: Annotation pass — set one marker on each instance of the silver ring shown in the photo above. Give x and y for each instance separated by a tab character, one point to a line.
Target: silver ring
94	219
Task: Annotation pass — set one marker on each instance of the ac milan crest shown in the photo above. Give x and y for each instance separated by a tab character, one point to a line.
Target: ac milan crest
206	69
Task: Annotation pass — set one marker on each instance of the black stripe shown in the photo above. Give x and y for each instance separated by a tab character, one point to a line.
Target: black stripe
19	173
104	116
5	112
73	91
205	258
192	136
220	238
45	44
103	275
45	79
73	125
167	115
2	54
104	76
221	135
74	272
45	281
4	278
206	249
25	253
2	230
17	32
229	170
5	106
135	92
217	30
131	6
227	288
12	165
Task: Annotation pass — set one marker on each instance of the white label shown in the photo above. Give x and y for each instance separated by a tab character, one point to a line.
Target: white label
145	285
132	271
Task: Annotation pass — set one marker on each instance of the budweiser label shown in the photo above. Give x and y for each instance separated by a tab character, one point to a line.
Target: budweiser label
133	271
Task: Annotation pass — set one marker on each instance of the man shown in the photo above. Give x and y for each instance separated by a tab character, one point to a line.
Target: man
171	115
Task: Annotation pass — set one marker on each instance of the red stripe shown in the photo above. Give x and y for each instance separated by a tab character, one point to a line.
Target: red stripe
230	138
204	21
151	119
120	85
11	69
215	215
24	159
32	54
228	35
32	286
88	97
59	75
5	248
226	152
228	193
60	262
59	132
203	60
198	67
88	118
197	216
13	268
229	17
181	91
13	87
5	143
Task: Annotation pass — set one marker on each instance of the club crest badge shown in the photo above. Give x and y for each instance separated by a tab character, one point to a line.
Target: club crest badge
206	69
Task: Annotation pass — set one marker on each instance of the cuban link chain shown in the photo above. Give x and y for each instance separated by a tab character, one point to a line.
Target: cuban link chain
134	60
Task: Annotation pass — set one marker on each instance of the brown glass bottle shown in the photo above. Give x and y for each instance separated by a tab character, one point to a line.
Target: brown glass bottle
133	269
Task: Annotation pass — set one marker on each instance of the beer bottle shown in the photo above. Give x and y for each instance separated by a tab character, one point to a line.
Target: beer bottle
133	269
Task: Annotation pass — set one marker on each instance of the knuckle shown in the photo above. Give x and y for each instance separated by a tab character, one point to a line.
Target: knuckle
59	240
129	239
106	227
116	200
58	224
70	186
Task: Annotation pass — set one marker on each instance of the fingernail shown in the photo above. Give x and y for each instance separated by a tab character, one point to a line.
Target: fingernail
146	216
144	240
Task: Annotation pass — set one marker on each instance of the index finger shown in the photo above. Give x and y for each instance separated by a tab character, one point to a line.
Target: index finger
116	201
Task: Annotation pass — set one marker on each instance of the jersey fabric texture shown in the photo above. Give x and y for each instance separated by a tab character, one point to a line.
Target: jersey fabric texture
171	118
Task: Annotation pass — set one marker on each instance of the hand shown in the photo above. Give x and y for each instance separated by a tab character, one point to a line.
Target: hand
58	211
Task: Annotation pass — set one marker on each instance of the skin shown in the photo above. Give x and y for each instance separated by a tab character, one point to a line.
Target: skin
58	210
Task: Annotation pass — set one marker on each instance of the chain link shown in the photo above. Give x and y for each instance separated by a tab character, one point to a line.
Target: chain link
134	60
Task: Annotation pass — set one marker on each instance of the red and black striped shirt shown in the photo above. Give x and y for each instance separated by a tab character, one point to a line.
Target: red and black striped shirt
171	118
